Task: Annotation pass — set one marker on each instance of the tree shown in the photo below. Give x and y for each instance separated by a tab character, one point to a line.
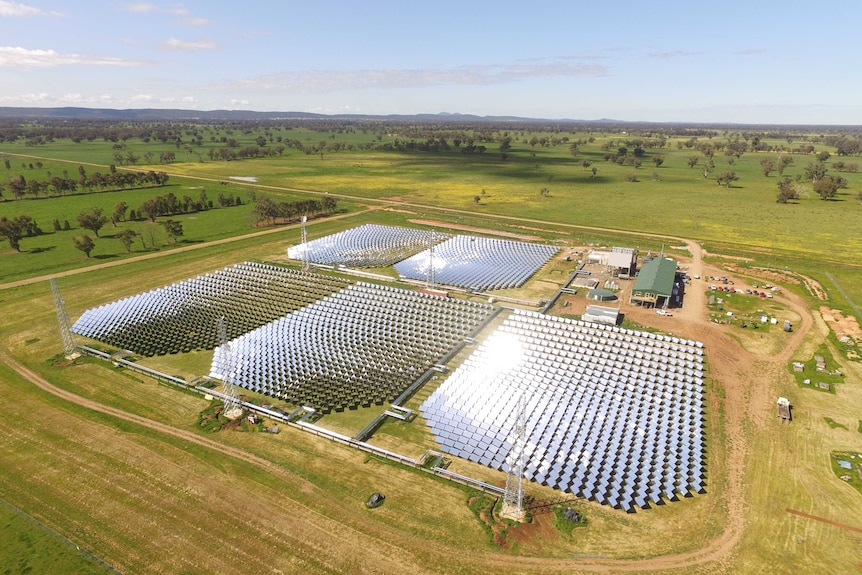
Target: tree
13	231
815	171
826	187
708	168
17	185
328	202
92	220
126	238
477	199
787	191
586	164
544	192
84	243
692	161
119	212
766	166
726	178
631	177
783	162
173	228
658	160
150	208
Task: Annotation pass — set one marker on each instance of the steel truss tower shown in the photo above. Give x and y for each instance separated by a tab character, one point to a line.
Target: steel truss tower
513	498
430	282
306	255
70	346
232	408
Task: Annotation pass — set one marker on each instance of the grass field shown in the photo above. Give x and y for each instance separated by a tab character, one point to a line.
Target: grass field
125	472
27	546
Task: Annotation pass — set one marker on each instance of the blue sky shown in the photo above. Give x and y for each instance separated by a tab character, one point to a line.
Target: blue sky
759	61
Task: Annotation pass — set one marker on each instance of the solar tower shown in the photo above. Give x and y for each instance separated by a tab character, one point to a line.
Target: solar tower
430	282
232	408
513	498
69	345
306	265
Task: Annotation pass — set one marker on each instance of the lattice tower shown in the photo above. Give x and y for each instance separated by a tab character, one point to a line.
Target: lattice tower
232	408
430	282
70	346
306	254
513	498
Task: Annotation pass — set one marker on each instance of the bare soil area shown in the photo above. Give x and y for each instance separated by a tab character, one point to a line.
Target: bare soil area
840	324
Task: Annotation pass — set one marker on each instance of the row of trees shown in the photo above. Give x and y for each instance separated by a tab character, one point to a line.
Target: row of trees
267	210
19	186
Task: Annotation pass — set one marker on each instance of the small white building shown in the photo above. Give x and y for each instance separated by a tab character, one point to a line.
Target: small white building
601	314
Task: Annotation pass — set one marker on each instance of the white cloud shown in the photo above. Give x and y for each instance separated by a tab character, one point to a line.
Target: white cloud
236	102
26	98
675	54
141	98
479	75
195	21
750	52
178	45
147	8
22	57
17	9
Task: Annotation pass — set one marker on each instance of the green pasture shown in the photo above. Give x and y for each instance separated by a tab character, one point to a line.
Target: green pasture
27	546
680	202
54	251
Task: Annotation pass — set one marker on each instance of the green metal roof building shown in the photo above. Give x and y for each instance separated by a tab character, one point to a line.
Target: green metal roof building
654	283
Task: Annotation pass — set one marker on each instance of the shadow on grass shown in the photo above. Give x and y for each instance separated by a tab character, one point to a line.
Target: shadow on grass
104	256
40	250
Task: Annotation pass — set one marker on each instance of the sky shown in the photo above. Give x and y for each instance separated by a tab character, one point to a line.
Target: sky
757	61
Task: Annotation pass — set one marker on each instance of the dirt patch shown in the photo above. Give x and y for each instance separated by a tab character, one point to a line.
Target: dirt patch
540	528
437	224
815	288
777	275
842	325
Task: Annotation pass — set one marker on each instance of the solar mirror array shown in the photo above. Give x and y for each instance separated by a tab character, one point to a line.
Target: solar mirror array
613	415
479	263
182	316
370	245
364	344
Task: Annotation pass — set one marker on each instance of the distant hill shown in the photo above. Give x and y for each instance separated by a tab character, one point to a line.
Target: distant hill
158	114
154	114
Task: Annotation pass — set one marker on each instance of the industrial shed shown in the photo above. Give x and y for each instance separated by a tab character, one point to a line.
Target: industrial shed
621	262
601	314
654	285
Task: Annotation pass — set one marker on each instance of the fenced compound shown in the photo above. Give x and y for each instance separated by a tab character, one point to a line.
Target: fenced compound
613	415
478	263
365	344
365	246
182	317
